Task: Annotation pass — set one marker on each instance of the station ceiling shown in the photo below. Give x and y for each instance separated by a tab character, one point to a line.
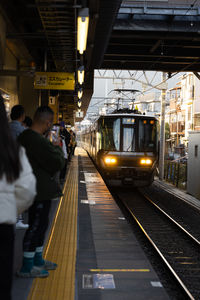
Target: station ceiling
131	35
44	31
160	36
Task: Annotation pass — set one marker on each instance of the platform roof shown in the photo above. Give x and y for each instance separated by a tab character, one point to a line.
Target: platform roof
39	29
133	35
155	35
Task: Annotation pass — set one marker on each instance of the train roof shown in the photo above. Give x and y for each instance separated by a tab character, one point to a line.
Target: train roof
115	115
126	115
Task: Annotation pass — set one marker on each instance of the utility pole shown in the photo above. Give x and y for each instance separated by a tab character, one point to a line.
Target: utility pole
162	129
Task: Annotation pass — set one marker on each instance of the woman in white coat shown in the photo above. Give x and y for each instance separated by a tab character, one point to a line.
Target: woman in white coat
17	192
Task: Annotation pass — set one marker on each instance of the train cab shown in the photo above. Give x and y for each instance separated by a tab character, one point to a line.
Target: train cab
124	146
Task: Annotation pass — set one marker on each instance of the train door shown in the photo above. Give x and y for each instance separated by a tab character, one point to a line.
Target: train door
128	135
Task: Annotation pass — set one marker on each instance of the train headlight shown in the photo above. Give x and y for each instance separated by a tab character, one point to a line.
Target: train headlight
146	161
110	160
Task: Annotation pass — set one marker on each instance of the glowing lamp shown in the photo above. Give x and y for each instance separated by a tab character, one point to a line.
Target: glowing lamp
110	160
82	25
145	161
80	94
81	73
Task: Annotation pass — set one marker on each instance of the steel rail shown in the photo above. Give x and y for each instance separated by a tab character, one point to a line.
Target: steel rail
176	223
180	282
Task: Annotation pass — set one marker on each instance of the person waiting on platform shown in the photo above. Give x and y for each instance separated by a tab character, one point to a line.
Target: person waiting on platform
46	159
17	117
17	127
65	136
17	192
64	132
27	122
73	141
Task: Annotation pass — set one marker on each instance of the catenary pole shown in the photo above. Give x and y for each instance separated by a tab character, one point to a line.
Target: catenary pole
162	130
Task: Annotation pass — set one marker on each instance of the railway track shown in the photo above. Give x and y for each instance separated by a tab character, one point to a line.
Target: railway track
179	249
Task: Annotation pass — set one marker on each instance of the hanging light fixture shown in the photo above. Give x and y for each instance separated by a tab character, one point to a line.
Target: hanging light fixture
80	93
79	103
81	75
82	25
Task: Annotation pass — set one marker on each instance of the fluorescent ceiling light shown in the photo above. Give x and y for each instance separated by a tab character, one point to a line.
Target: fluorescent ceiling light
82	25
80	94
81	75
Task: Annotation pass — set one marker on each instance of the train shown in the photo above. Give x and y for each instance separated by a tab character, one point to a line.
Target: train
124	146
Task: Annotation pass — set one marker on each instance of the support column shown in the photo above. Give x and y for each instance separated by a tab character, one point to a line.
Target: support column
28	96
162	130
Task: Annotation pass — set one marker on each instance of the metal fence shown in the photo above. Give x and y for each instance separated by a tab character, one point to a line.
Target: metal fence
176	173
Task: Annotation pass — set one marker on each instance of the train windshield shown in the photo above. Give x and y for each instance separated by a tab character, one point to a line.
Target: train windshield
147	135
127	134
116	134
110	134
128	139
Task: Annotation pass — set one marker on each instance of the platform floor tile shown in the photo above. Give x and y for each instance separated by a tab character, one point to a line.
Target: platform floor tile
61	246
112	250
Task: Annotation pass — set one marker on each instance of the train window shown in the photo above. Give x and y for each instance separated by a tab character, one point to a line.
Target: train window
106	130
147	135
116	134
128	121
128	139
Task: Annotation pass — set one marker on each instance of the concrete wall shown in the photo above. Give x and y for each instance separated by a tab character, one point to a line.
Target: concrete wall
16	89
8	61
9	83
193	186
53	104
196	95
28	97
2	41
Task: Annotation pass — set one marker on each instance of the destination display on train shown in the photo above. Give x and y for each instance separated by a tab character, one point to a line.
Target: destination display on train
54	81
128	121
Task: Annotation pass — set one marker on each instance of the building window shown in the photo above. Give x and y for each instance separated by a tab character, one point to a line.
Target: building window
189	113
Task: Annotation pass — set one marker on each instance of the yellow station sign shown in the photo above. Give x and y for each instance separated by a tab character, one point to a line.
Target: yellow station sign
54	81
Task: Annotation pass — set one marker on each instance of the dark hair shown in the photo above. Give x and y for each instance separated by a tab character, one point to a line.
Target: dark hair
16	112
28	121
43	112
9	149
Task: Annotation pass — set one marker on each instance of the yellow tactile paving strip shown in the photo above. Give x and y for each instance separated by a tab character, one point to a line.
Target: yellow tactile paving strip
61	246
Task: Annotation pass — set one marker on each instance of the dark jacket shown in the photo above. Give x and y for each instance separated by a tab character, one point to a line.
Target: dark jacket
67	137
45	159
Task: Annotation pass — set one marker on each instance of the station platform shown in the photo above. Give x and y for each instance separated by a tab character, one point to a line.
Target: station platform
96	251
181	194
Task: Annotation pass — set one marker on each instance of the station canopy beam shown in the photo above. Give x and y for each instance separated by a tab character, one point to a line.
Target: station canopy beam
38	30
160	36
